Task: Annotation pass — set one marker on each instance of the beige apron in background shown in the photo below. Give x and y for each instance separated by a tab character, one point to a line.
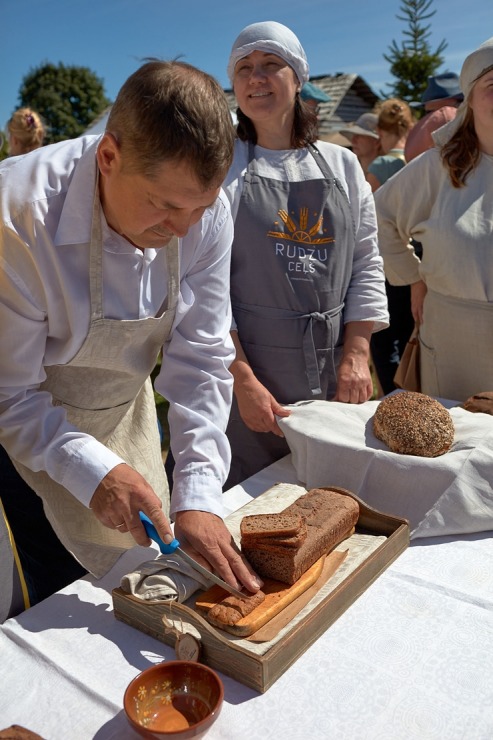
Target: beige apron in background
107	393
456	348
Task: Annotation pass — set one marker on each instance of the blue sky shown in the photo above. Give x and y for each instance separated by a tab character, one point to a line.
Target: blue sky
111	37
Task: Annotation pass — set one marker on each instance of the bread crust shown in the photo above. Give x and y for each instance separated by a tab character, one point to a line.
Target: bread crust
231	609
480	403
414	424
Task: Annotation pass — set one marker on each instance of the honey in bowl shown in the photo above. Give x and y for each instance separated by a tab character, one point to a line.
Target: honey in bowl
175	699
184	710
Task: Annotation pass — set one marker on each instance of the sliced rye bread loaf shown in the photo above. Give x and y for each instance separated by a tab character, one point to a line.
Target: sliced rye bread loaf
329	518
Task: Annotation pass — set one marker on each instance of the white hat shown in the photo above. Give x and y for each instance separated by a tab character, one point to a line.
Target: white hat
272	37
475	65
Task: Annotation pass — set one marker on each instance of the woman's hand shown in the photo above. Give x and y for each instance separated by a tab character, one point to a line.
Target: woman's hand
258	408
418	293
354	383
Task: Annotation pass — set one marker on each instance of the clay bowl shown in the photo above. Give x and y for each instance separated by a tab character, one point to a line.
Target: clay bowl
175	699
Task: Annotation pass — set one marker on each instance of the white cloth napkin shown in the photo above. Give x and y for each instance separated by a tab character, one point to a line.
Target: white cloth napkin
167	578
333	444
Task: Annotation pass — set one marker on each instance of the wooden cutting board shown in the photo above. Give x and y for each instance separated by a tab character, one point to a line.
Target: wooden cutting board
277	597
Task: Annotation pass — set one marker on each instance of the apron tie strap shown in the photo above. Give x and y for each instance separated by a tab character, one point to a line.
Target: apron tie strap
309	351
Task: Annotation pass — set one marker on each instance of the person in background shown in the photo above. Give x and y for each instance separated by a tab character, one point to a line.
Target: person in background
440	101
313	95
113	249
307	288
444	199
25	131
395	120
364	139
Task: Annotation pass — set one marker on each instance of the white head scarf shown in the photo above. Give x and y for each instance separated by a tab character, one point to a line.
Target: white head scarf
273	38
475	65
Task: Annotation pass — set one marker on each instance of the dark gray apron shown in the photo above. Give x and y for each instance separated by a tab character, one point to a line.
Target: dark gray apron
291	267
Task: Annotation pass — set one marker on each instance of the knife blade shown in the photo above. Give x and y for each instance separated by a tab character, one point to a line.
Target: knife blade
174	546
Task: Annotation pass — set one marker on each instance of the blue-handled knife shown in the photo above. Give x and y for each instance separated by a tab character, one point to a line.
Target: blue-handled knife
174	546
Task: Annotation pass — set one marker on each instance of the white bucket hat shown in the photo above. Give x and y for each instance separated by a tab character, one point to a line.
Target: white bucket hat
272	37
475	65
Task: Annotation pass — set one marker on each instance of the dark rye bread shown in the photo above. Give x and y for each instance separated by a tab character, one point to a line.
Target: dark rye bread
480	403
268	543
285	524
414	424
329	518
231	609
286	529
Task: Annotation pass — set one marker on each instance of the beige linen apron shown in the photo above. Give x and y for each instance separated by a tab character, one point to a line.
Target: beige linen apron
456	357
106	392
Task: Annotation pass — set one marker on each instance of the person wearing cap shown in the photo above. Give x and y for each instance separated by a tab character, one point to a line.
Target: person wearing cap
364	139
313	95
440	101
444	199
307	286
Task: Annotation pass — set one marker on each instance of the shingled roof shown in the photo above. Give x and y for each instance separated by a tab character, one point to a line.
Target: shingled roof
350	97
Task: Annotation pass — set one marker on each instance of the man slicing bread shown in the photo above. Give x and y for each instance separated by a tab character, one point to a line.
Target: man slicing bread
113	249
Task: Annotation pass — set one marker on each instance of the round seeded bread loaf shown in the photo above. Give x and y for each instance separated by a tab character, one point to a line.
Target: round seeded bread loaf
480	402
414	424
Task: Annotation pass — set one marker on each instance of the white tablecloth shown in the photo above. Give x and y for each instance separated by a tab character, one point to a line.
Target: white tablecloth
333	444
410	659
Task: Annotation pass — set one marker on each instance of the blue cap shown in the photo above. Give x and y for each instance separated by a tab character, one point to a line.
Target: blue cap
439	87
309	91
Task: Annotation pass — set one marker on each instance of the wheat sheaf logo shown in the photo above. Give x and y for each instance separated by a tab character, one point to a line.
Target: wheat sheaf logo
301	232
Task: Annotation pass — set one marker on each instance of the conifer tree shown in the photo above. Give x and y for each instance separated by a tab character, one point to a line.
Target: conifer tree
413	61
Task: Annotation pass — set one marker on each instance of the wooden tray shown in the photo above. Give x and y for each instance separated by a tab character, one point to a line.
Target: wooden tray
239	658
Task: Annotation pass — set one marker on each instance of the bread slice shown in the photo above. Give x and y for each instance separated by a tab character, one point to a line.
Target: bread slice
268	543
283	524
329	517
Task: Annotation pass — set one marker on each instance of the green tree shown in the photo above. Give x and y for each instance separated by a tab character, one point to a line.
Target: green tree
4	147
67	97
413	61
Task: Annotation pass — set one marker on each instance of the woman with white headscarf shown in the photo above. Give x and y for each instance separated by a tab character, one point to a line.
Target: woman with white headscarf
444	199
307	283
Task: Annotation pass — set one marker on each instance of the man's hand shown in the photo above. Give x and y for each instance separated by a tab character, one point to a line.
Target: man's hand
209	536
120	496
